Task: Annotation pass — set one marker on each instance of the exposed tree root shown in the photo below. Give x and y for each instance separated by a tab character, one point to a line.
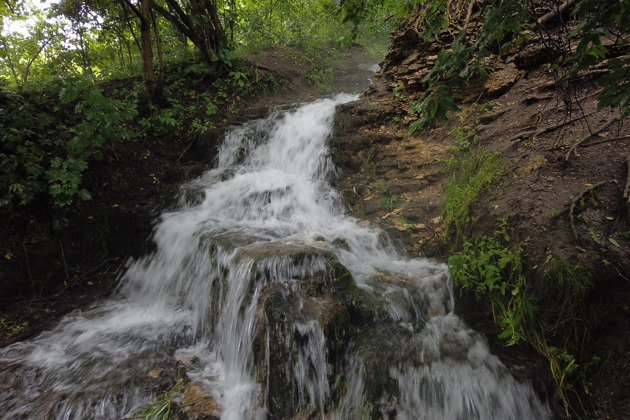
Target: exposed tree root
590	135
534	132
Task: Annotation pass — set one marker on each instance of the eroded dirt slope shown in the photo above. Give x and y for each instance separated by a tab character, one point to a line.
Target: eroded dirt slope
561	191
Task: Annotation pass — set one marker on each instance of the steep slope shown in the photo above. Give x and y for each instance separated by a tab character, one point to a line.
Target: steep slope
561	190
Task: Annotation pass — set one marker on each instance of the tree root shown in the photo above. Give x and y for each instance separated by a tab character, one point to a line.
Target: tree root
534	132
574	146
578	198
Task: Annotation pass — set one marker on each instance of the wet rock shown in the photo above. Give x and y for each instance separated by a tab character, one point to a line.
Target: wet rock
207	143
341	243
419	210
403	236
370	207
199	405
398	187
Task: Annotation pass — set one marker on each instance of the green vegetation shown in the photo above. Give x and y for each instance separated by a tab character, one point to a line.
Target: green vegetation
390	201
491	268
505	24
494	273
162	405
471	173
11	328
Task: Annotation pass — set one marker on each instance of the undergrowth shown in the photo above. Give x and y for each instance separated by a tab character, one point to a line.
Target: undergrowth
493	272
491	268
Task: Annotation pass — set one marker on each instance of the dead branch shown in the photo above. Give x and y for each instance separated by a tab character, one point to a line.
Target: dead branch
468	15
578	198
560	11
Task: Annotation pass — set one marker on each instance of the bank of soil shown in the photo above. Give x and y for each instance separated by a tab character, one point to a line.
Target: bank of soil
561	192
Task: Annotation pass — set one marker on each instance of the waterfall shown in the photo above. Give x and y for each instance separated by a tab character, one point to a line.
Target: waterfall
269	300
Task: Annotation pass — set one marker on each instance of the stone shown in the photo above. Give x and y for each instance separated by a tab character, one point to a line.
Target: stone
200	405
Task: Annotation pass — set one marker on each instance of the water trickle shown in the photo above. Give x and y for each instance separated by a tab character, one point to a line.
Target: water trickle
266	296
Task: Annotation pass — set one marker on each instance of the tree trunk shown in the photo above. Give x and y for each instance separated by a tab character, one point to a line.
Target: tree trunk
159	89
145	40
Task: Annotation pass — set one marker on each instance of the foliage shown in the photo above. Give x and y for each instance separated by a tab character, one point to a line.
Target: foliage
39	155
11	328
463	59
471	173
102	120
27	138
431	106
494	272
600	20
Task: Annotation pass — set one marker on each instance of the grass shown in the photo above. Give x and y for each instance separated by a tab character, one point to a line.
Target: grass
471	173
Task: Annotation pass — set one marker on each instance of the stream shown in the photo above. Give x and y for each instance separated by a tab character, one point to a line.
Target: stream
264	299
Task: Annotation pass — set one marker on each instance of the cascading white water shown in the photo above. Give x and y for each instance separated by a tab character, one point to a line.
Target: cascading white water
265	215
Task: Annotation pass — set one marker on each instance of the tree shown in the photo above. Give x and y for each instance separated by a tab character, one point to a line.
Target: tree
199	21
19	52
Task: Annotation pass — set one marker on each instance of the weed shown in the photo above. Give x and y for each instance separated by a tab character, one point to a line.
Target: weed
462	136
10	328
398	95
161	406
390	201
488	106
370	159
493	271
594	235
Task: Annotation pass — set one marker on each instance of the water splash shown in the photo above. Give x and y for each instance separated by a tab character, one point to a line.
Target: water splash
244	291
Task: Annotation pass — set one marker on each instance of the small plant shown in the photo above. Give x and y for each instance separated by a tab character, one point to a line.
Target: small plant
470	175
594	235
162	405
462	136
493	271
398	95
390	201
10	328
488	106
431	106
369	160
